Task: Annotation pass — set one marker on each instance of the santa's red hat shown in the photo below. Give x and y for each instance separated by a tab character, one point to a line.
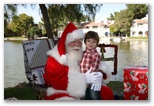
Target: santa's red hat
70	33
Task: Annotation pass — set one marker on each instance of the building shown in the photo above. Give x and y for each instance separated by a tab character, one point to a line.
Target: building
102	28
139	27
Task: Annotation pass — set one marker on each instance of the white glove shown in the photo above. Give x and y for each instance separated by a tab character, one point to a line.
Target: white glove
97	77
97	81
89	76
96	86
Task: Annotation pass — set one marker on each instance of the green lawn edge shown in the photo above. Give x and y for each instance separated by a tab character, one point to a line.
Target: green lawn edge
28	93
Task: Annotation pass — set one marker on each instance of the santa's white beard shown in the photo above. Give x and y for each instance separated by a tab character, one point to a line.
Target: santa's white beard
73	58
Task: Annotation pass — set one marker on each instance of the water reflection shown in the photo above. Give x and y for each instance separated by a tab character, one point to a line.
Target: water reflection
134	53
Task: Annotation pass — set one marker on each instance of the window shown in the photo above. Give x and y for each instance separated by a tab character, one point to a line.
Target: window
105	26
94	26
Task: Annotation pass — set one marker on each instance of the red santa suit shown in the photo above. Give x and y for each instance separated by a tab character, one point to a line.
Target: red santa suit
66	81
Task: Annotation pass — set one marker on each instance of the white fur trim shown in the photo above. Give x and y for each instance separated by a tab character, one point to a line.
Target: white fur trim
63	59
106	69
54	53
65	98
51	91
76	84
76	34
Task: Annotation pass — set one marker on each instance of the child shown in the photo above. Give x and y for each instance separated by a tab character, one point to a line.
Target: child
90	61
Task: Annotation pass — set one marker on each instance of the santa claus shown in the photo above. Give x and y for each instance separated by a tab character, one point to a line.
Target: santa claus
62	71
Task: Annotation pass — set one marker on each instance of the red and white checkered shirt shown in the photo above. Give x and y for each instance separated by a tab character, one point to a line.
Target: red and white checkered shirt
91	59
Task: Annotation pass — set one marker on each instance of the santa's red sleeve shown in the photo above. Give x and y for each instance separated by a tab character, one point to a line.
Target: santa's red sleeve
56	74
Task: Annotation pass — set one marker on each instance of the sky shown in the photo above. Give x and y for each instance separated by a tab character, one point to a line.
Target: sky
106	9
104	12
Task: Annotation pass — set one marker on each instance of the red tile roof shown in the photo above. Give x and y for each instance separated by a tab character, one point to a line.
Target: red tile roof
88	24
141	21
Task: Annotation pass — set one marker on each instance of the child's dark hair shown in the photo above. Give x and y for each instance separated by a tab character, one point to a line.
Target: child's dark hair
93	35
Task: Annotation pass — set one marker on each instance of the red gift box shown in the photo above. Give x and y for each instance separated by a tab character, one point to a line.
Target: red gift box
136	83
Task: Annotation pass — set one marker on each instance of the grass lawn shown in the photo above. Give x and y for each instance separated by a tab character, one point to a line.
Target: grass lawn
25	93
28	93
116	86
137	38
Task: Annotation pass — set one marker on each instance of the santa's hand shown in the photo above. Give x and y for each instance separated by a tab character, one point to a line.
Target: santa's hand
89	76
97	77
96	86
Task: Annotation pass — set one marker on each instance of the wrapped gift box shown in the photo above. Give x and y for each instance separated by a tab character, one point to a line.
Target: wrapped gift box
136	83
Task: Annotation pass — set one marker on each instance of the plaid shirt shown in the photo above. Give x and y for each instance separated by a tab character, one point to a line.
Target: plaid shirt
91	58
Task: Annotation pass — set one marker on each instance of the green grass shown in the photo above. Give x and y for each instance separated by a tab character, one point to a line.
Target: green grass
25	93
28	93
137	37
116	86
17	37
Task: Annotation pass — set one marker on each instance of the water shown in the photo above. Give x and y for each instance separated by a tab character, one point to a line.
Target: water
133	53
14	71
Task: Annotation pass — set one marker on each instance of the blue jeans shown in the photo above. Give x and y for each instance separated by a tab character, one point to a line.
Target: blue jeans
92	95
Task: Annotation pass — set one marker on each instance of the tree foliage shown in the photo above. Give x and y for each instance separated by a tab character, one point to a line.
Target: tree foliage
123	19
92	9
113	29
32	31
112	16
60	15
139	10
9	11
20	24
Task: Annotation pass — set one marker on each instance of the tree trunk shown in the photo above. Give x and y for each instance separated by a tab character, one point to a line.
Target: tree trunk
46	21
